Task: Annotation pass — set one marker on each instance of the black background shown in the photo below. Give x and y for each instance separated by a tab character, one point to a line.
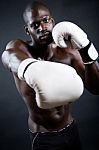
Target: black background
13	112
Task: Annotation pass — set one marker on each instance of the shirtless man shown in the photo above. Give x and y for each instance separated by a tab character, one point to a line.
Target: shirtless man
50	123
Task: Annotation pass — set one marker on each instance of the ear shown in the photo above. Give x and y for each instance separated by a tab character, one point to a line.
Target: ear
26	30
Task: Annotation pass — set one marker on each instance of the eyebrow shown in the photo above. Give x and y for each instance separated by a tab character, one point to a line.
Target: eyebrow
41	18
37	21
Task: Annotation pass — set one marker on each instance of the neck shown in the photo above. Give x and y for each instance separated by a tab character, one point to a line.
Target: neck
43	51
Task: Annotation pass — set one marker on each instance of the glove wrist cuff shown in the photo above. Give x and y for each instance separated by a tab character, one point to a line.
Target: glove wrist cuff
89	54
24	66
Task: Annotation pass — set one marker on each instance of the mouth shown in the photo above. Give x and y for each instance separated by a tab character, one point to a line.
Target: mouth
44	36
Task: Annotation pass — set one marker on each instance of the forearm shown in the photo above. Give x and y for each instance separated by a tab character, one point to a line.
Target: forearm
55	84
79	40
92	77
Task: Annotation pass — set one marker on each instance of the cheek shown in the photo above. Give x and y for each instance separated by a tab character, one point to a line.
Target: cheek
50	27
33	33
34	36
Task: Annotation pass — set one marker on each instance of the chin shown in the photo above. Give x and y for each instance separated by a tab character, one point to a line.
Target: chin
46	41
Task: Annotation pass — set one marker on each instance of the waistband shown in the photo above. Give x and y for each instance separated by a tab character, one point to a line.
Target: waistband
57	131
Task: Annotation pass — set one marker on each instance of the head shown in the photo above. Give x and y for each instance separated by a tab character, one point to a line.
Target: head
39	23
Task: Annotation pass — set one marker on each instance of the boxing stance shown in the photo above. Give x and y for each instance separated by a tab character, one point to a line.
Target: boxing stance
50	73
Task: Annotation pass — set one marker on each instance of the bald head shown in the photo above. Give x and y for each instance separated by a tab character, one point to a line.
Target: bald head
34	9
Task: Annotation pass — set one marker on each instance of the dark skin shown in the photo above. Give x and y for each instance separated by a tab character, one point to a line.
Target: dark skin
42	46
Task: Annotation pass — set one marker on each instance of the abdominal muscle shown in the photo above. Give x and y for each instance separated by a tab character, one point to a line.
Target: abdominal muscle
50	120
42	120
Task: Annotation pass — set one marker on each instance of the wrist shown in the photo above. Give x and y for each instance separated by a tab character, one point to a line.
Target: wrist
24	66
89	54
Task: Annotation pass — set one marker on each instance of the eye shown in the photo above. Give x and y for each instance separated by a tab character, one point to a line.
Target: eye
35	25
46	19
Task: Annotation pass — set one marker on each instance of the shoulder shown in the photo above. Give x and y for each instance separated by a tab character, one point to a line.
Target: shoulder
15	44
14	53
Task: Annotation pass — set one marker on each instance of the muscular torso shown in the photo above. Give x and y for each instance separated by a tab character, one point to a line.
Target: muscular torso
47	119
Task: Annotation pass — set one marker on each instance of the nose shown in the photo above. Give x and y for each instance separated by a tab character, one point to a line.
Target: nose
42	28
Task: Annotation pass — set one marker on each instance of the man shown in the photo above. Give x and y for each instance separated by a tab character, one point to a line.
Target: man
43	69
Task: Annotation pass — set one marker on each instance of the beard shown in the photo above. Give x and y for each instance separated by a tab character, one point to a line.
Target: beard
45	38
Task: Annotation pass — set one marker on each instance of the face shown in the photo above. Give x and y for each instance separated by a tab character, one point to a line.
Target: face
40	25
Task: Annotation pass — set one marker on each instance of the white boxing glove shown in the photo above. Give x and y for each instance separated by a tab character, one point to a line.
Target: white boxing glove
55	84
67	31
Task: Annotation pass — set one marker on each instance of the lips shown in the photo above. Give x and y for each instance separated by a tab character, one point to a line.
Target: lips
44	36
